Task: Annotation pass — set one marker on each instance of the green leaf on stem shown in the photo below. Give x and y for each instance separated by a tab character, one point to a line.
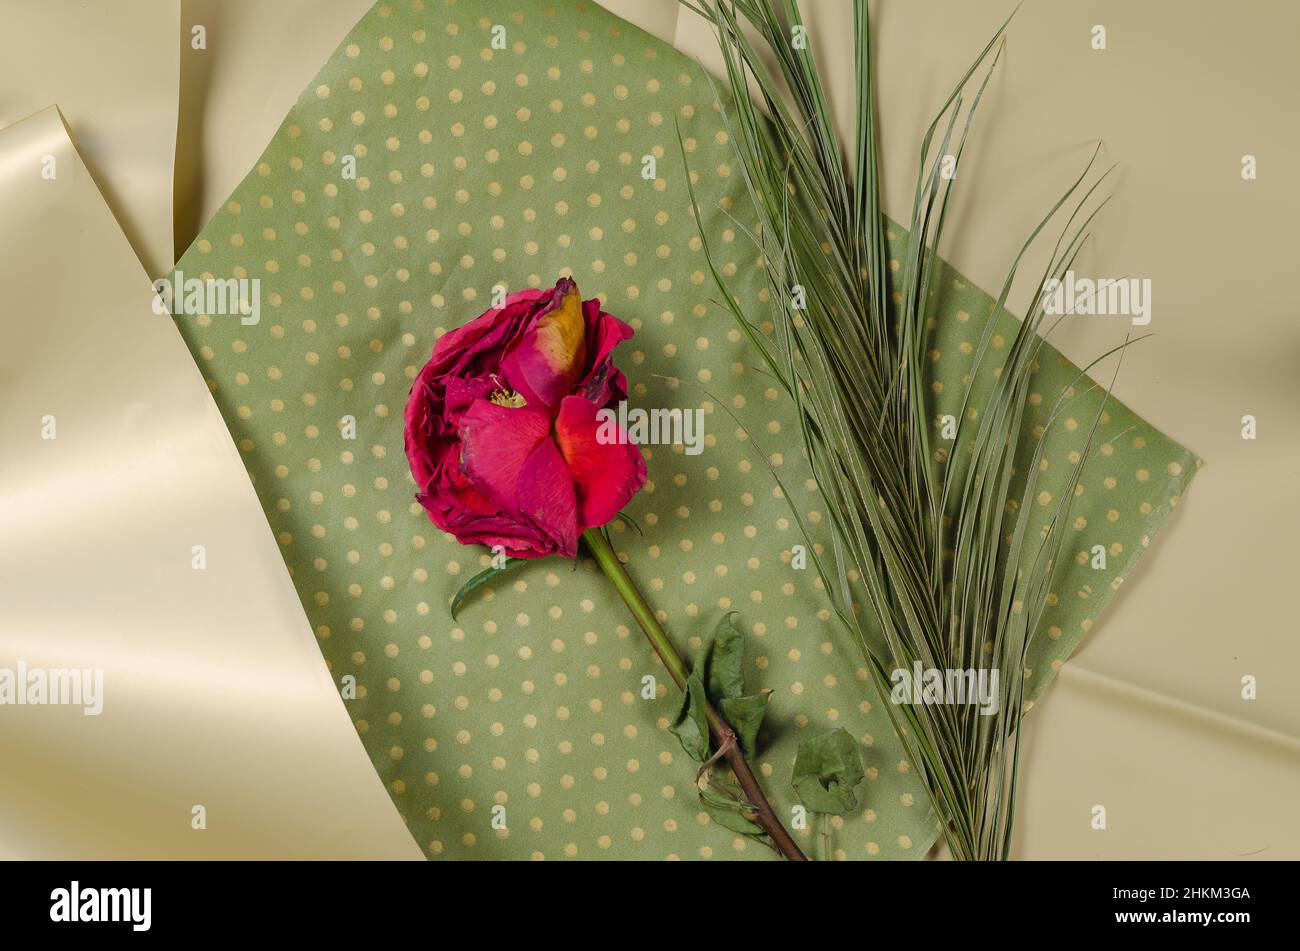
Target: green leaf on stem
827	771
480	579
723	661
745	715
692	723
728	808
721	665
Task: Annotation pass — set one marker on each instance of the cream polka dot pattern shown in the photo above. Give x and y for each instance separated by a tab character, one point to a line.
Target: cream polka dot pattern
520	730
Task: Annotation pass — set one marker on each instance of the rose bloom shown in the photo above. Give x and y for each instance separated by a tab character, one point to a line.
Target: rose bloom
501	425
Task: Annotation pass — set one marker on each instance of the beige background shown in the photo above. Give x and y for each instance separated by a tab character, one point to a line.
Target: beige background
1147	720
113	69
214	693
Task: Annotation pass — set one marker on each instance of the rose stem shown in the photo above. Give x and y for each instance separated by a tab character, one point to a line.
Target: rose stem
723	735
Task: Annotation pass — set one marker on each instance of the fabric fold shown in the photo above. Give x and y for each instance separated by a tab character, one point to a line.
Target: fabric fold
136	555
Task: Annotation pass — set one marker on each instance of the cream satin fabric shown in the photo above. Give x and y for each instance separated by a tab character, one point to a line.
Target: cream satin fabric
114	70
214	693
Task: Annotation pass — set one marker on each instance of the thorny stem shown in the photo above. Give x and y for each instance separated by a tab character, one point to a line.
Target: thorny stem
724	737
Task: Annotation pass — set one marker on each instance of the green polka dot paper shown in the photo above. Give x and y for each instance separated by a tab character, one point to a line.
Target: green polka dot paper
475	167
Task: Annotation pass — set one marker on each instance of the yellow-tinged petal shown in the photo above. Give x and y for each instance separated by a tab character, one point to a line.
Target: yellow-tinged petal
562	335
